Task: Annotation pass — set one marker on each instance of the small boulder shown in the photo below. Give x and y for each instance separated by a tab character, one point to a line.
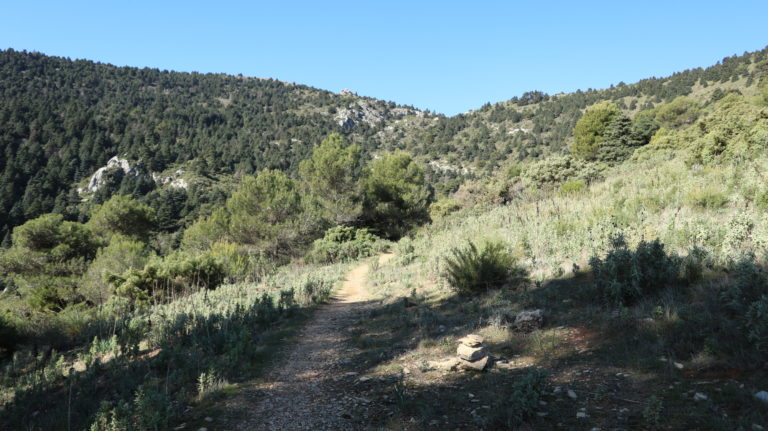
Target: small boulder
449	364
478	365
528	320
472	340
471	353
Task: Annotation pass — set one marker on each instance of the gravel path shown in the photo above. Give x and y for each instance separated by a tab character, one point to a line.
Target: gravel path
311	388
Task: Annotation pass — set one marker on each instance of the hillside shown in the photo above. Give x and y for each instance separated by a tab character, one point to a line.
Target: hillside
62	119
617	277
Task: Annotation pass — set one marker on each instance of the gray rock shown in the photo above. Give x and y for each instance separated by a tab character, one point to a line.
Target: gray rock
572	395
528	320
698	396
478	365
472	340
762	396
471	353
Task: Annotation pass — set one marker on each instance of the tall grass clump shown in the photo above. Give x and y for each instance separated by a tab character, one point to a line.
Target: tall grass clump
470	270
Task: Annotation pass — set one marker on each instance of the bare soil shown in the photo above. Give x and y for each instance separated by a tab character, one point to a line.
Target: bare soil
312	386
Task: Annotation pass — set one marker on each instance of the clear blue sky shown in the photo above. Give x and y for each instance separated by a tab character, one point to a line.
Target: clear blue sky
445	56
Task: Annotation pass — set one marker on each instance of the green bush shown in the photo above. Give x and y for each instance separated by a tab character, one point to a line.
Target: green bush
572	187
471	270
161	278
343	243
708	197
520	401
558	169
9	336
443	207
756	323
625	275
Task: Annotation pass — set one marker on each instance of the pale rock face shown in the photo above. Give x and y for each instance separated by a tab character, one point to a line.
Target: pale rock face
97	179
363	111
174	180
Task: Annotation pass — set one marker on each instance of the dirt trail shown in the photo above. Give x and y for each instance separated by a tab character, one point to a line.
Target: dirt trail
311	386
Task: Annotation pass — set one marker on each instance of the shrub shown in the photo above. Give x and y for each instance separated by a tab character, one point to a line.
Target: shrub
756	323
471	270
624	276
9	336
557	169
521	400
342	243
572	187
708	197
161	278
443	207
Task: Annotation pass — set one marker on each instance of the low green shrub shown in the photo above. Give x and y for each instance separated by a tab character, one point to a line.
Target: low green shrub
709	197
470	270
443	207
625	275
572	187
520	401
342	244
161	278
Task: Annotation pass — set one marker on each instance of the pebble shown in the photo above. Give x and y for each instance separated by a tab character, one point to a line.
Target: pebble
698	396
762	396
678	365
208	419
581	415
572	395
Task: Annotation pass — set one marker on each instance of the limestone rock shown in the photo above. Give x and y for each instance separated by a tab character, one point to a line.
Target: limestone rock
446	364
528	320
471	353
478	365
97	179
472	340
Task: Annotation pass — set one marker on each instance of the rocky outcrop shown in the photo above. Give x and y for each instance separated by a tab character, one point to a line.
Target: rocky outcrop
97	179
174	180
365	111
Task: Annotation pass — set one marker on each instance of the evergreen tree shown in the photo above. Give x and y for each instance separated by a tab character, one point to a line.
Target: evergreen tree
396	195
330	176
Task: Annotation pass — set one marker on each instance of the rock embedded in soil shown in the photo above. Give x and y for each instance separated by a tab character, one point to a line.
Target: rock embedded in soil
529	320
478	365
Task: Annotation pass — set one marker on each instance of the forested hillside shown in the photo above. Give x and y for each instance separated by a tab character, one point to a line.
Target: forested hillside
60	120
537	124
